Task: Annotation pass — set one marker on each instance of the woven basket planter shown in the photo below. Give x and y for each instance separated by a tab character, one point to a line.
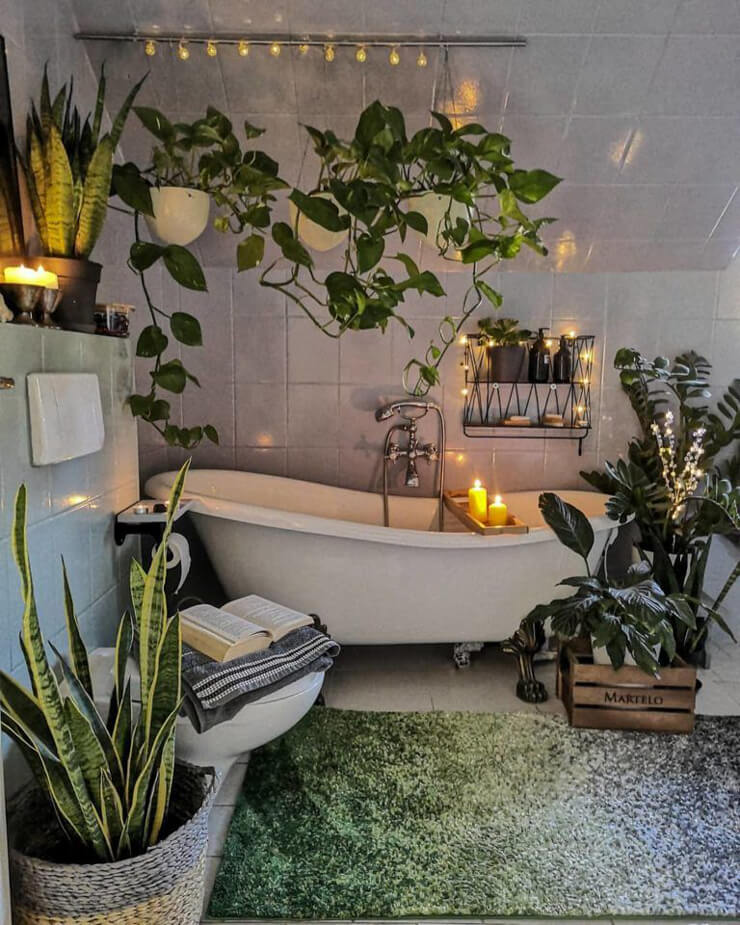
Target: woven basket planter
162	887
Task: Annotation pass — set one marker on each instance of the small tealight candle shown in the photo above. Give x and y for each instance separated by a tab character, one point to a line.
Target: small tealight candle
498	515
26	276
478	501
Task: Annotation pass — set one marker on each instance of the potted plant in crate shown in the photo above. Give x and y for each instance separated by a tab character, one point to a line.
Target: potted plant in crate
114	830
507	348
679	482
68	166
628	621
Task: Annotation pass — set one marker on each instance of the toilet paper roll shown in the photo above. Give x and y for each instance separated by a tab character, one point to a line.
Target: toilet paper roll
178	553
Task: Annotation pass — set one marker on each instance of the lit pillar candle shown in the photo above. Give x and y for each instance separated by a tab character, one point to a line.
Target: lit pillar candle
478	501
46	278
29	277
497	513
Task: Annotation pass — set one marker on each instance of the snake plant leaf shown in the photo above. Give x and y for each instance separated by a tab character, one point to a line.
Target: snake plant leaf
124	644
24	709
120	120
77	650
123	730
95	198
166	682
160	800
59	195
89	750
45	116
89	711
111	808
99	106
137	580
46	685
58	107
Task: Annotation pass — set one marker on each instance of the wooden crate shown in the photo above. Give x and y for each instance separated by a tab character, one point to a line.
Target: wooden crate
598	697
457	503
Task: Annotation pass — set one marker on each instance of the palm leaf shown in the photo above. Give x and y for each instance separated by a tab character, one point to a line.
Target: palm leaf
570	525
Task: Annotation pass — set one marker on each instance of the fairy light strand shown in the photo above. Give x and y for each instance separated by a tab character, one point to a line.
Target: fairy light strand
680	485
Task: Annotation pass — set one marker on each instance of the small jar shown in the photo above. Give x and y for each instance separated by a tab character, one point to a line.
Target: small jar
113	319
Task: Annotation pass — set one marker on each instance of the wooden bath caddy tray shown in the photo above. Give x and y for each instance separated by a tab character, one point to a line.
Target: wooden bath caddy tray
457	502
598	697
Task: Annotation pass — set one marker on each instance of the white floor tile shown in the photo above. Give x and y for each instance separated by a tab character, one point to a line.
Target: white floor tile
359	691
232	785
218	826
212	866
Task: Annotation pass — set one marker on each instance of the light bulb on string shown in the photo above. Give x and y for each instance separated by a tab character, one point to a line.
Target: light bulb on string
183	52
394	58
422	61
361	54
275	49
150	48
243	48
329	53
211	49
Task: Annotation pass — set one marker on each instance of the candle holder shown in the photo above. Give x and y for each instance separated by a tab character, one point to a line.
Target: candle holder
22	299
47	304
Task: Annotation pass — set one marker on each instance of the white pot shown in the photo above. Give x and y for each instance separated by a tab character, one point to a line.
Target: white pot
180	214
313	235
433	207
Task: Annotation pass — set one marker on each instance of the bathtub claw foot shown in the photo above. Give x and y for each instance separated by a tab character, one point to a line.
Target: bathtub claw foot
462	651
523	645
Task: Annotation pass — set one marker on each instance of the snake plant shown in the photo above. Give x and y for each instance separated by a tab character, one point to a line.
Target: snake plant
108	778
68	167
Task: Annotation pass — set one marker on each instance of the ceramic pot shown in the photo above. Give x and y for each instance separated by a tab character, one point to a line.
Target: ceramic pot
180	214
508	364
433	207
313	235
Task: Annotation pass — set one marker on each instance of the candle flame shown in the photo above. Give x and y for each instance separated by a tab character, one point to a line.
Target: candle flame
477	484
497	499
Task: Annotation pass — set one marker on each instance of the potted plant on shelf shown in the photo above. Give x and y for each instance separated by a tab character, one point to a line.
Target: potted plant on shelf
679	482
68	166
114	829
205	156
507	348
628	621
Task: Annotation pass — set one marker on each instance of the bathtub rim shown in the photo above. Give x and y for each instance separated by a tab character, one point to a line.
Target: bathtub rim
157	486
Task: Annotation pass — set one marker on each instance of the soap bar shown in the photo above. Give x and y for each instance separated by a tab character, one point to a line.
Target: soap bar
518	420
553	420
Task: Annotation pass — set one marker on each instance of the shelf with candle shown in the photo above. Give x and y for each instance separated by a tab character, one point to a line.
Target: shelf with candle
496	517
32	293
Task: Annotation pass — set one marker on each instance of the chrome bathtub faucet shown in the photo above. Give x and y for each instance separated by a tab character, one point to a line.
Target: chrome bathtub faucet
411	410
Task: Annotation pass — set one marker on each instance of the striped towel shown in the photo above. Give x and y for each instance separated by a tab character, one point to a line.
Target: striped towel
216	691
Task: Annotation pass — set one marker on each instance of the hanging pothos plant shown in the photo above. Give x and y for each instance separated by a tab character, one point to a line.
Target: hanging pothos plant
205	155
373	189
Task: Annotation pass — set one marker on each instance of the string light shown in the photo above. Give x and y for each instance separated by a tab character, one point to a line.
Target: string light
421	61
329	53
243	48
211	49
681	485
303	49
463	339
150	49
394	58
275	49
463	391
361	54
183	52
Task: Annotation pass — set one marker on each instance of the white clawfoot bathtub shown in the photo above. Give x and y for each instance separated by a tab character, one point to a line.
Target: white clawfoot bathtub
324	550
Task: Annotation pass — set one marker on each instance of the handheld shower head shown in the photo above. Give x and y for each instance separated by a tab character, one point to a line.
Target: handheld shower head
396	407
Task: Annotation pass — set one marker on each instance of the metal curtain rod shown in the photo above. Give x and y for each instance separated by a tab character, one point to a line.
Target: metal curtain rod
368	41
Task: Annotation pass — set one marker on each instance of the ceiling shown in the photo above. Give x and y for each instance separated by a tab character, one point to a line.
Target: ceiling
635	103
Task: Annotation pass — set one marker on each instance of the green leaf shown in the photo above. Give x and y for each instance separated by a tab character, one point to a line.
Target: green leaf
494	297
417	221
152	341
132	188
143	254
210	431
186	329
369	251
532	185
411	268
77	650
292	249
155	122
171	376
249	252
184	268
570	525
320	210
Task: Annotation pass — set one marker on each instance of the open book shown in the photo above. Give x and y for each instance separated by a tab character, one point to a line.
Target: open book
246	625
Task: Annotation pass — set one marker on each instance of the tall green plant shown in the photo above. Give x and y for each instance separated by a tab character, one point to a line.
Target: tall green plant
68	168
108	778
677	537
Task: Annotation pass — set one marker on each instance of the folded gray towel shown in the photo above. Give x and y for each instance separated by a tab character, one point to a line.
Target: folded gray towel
215	691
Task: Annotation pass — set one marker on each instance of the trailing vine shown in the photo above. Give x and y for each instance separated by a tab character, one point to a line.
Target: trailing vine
374	188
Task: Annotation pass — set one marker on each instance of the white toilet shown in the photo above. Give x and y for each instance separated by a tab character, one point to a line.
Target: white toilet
256	724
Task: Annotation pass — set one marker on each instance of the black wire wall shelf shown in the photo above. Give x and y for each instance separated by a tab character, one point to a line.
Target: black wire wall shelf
490	405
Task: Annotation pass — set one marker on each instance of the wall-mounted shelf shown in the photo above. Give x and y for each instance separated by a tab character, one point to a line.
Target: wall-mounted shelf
488	403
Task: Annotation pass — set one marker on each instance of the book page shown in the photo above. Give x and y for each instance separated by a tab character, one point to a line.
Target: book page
273	617
228	625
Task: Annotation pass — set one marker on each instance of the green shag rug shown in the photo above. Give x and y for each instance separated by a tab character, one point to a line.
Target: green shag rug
391	815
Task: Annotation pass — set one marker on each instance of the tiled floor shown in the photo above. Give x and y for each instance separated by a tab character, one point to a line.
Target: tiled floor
424	678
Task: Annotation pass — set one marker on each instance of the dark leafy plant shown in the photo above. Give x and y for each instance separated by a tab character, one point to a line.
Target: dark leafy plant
205	155
677	537
503	332
375	182
633	615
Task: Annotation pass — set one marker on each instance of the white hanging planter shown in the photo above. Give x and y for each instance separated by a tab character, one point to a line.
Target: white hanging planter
313	235
433	206
180	214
